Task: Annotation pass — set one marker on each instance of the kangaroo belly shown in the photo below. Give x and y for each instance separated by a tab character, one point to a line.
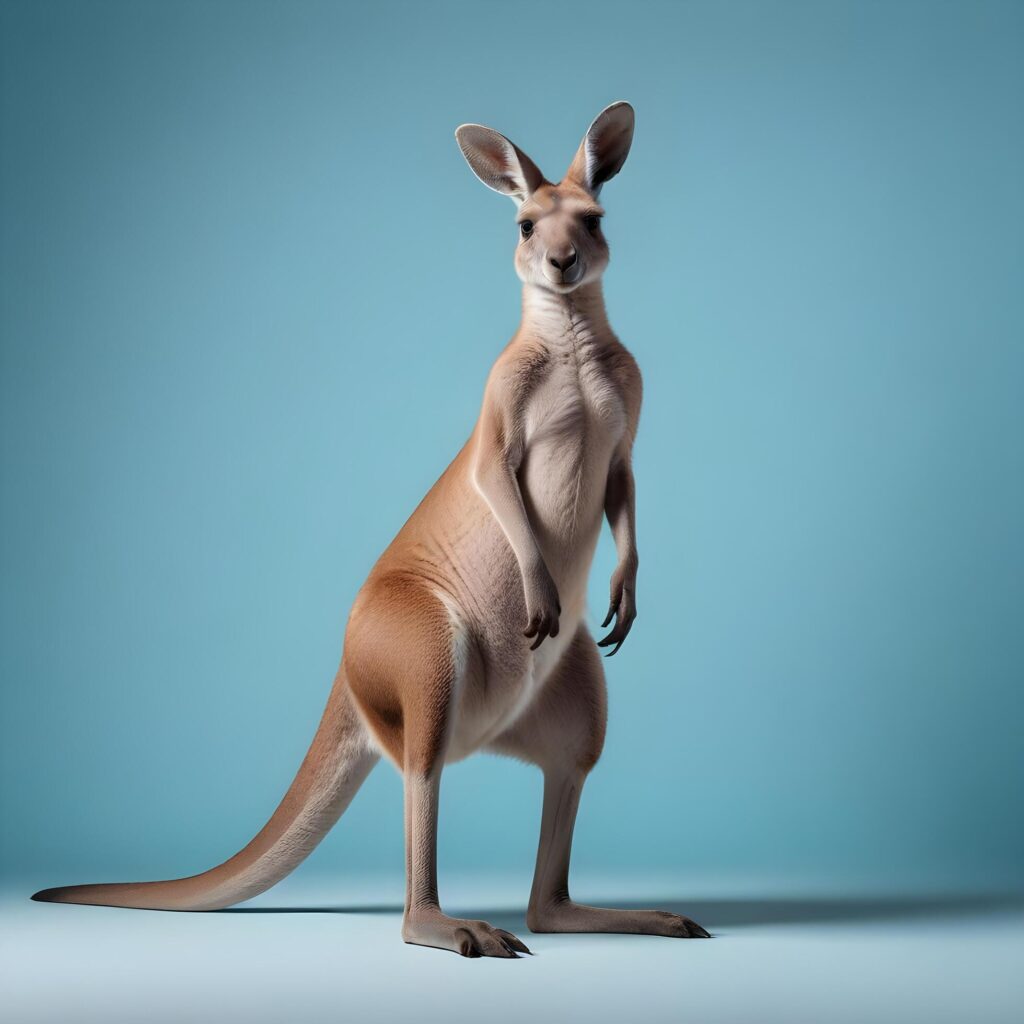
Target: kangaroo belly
492	694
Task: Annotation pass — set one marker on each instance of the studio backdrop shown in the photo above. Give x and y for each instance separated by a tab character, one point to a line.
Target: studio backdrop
251	293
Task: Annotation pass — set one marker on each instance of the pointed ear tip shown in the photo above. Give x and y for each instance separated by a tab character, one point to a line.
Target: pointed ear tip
468	130
619	116
622	109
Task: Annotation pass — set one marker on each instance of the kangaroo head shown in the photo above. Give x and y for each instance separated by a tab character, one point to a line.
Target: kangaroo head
561	244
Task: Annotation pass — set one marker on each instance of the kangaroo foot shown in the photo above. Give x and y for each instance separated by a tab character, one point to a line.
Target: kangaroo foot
566	916
467	938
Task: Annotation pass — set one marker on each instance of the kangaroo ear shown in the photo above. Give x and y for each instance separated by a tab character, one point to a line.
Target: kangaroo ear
498	163
604	148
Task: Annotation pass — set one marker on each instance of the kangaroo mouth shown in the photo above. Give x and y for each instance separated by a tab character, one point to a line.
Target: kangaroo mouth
565	280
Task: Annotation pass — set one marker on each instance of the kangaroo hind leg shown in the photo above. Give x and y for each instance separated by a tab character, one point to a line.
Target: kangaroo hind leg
563	734
403	663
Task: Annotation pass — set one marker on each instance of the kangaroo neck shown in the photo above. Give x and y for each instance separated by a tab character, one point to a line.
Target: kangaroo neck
575	320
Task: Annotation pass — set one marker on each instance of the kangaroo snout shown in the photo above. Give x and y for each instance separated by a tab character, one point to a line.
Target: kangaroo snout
562	261
564	268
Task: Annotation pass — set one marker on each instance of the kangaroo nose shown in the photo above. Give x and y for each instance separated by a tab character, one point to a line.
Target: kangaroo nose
563	262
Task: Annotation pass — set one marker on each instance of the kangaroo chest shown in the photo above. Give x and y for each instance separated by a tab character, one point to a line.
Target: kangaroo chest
574	419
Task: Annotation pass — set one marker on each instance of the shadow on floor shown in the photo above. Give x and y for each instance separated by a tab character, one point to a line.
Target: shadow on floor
730	913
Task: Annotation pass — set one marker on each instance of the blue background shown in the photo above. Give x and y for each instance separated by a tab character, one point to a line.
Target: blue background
251	293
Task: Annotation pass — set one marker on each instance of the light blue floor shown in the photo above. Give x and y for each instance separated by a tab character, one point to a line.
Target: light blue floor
332	952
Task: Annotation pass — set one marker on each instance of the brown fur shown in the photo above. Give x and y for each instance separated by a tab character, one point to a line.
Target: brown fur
469	632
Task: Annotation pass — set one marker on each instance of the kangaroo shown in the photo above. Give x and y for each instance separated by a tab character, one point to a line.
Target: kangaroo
469	632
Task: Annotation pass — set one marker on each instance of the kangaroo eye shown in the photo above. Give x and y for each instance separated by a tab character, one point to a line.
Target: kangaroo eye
526	228
593	223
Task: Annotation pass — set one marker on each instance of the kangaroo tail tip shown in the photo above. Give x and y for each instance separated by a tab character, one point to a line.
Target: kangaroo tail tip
63	894
48	896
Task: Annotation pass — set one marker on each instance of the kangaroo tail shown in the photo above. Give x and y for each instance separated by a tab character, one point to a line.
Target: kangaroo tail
339	759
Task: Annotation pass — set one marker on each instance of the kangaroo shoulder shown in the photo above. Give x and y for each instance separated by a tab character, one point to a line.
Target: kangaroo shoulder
517	373
624	367
624	370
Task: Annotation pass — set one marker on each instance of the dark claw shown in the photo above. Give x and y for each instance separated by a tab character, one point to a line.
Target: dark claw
540	639
608	617
516	945
617	637
696	931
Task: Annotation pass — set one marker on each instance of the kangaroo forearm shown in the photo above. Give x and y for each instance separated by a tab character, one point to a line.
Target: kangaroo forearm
500	488
501	492
620	508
